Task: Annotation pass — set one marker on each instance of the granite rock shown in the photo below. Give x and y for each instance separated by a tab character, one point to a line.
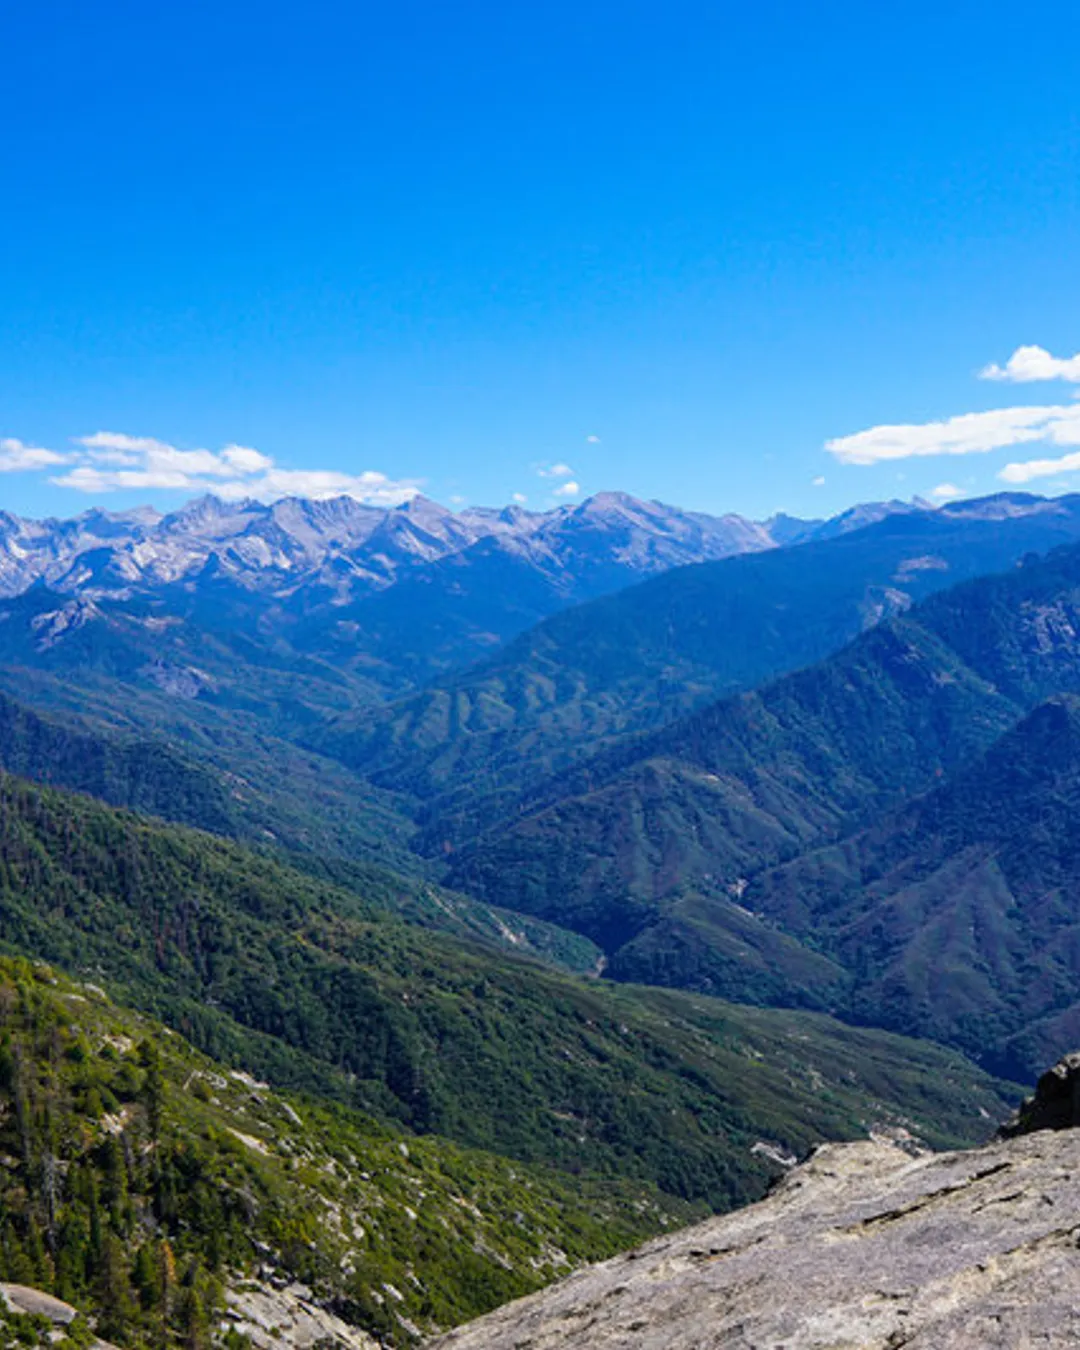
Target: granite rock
276	1318
863	1246
1056	1103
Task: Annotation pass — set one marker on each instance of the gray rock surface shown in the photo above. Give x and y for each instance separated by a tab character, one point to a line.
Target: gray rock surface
280	1318
18	1298
863	1246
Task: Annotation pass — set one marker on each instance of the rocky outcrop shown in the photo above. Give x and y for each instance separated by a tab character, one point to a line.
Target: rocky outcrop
275	1317
17	1298
864	1247
272	1317
1056	1103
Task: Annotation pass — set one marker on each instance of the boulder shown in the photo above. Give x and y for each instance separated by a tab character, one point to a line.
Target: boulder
1056	1103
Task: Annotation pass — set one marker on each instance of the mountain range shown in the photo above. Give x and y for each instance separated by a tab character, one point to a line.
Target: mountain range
632	848
326	1081
638	659
654	847
340	549
389	597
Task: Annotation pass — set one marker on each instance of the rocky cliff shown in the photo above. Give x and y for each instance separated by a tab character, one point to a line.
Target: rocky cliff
864	1246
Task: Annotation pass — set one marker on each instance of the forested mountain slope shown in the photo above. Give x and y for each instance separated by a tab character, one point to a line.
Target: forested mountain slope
759	778
155	1189
956	915
154	777
217	768
142	773
638	659
301	982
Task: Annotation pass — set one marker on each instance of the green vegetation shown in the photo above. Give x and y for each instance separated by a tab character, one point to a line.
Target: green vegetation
139	1180
202	765
152	775
452	912
31	1331
473	745
613	846
954	916
302	983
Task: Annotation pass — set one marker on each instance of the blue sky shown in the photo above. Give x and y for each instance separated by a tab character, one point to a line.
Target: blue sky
676	249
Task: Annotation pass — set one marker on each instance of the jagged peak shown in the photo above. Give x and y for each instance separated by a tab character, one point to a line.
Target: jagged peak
209	507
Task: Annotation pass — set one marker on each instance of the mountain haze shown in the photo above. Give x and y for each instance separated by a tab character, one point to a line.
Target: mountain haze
711	800
470	746
955	914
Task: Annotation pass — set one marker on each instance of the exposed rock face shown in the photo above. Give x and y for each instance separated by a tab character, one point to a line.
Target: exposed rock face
342	544
861	1248
19	1299
1056	1103
275	1318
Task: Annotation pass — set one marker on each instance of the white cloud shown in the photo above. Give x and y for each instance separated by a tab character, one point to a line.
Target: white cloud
1028	470
519	498
1029	364
458	500
818	482
110	461
555	471
570	489
946	492
162	461
16	457
968	434
91	479
245	460
980	432
592	440
117	443
371	487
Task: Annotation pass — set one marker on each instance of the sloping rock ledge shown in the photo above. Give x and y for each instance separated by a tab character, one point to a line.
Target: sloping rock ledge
861	1247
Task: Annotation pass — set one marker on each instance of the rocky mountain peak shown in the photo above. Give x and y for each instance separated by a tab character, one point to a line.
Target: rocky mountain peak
1005	506
210	516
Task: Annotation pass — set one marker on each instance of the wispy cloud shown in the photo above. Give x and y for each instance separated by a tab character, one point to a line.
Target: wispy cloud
17	457
161	465
554	471
570	489
110	461
967	434
981	432
519	498
592	440
946	492
1026	471
1027	365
